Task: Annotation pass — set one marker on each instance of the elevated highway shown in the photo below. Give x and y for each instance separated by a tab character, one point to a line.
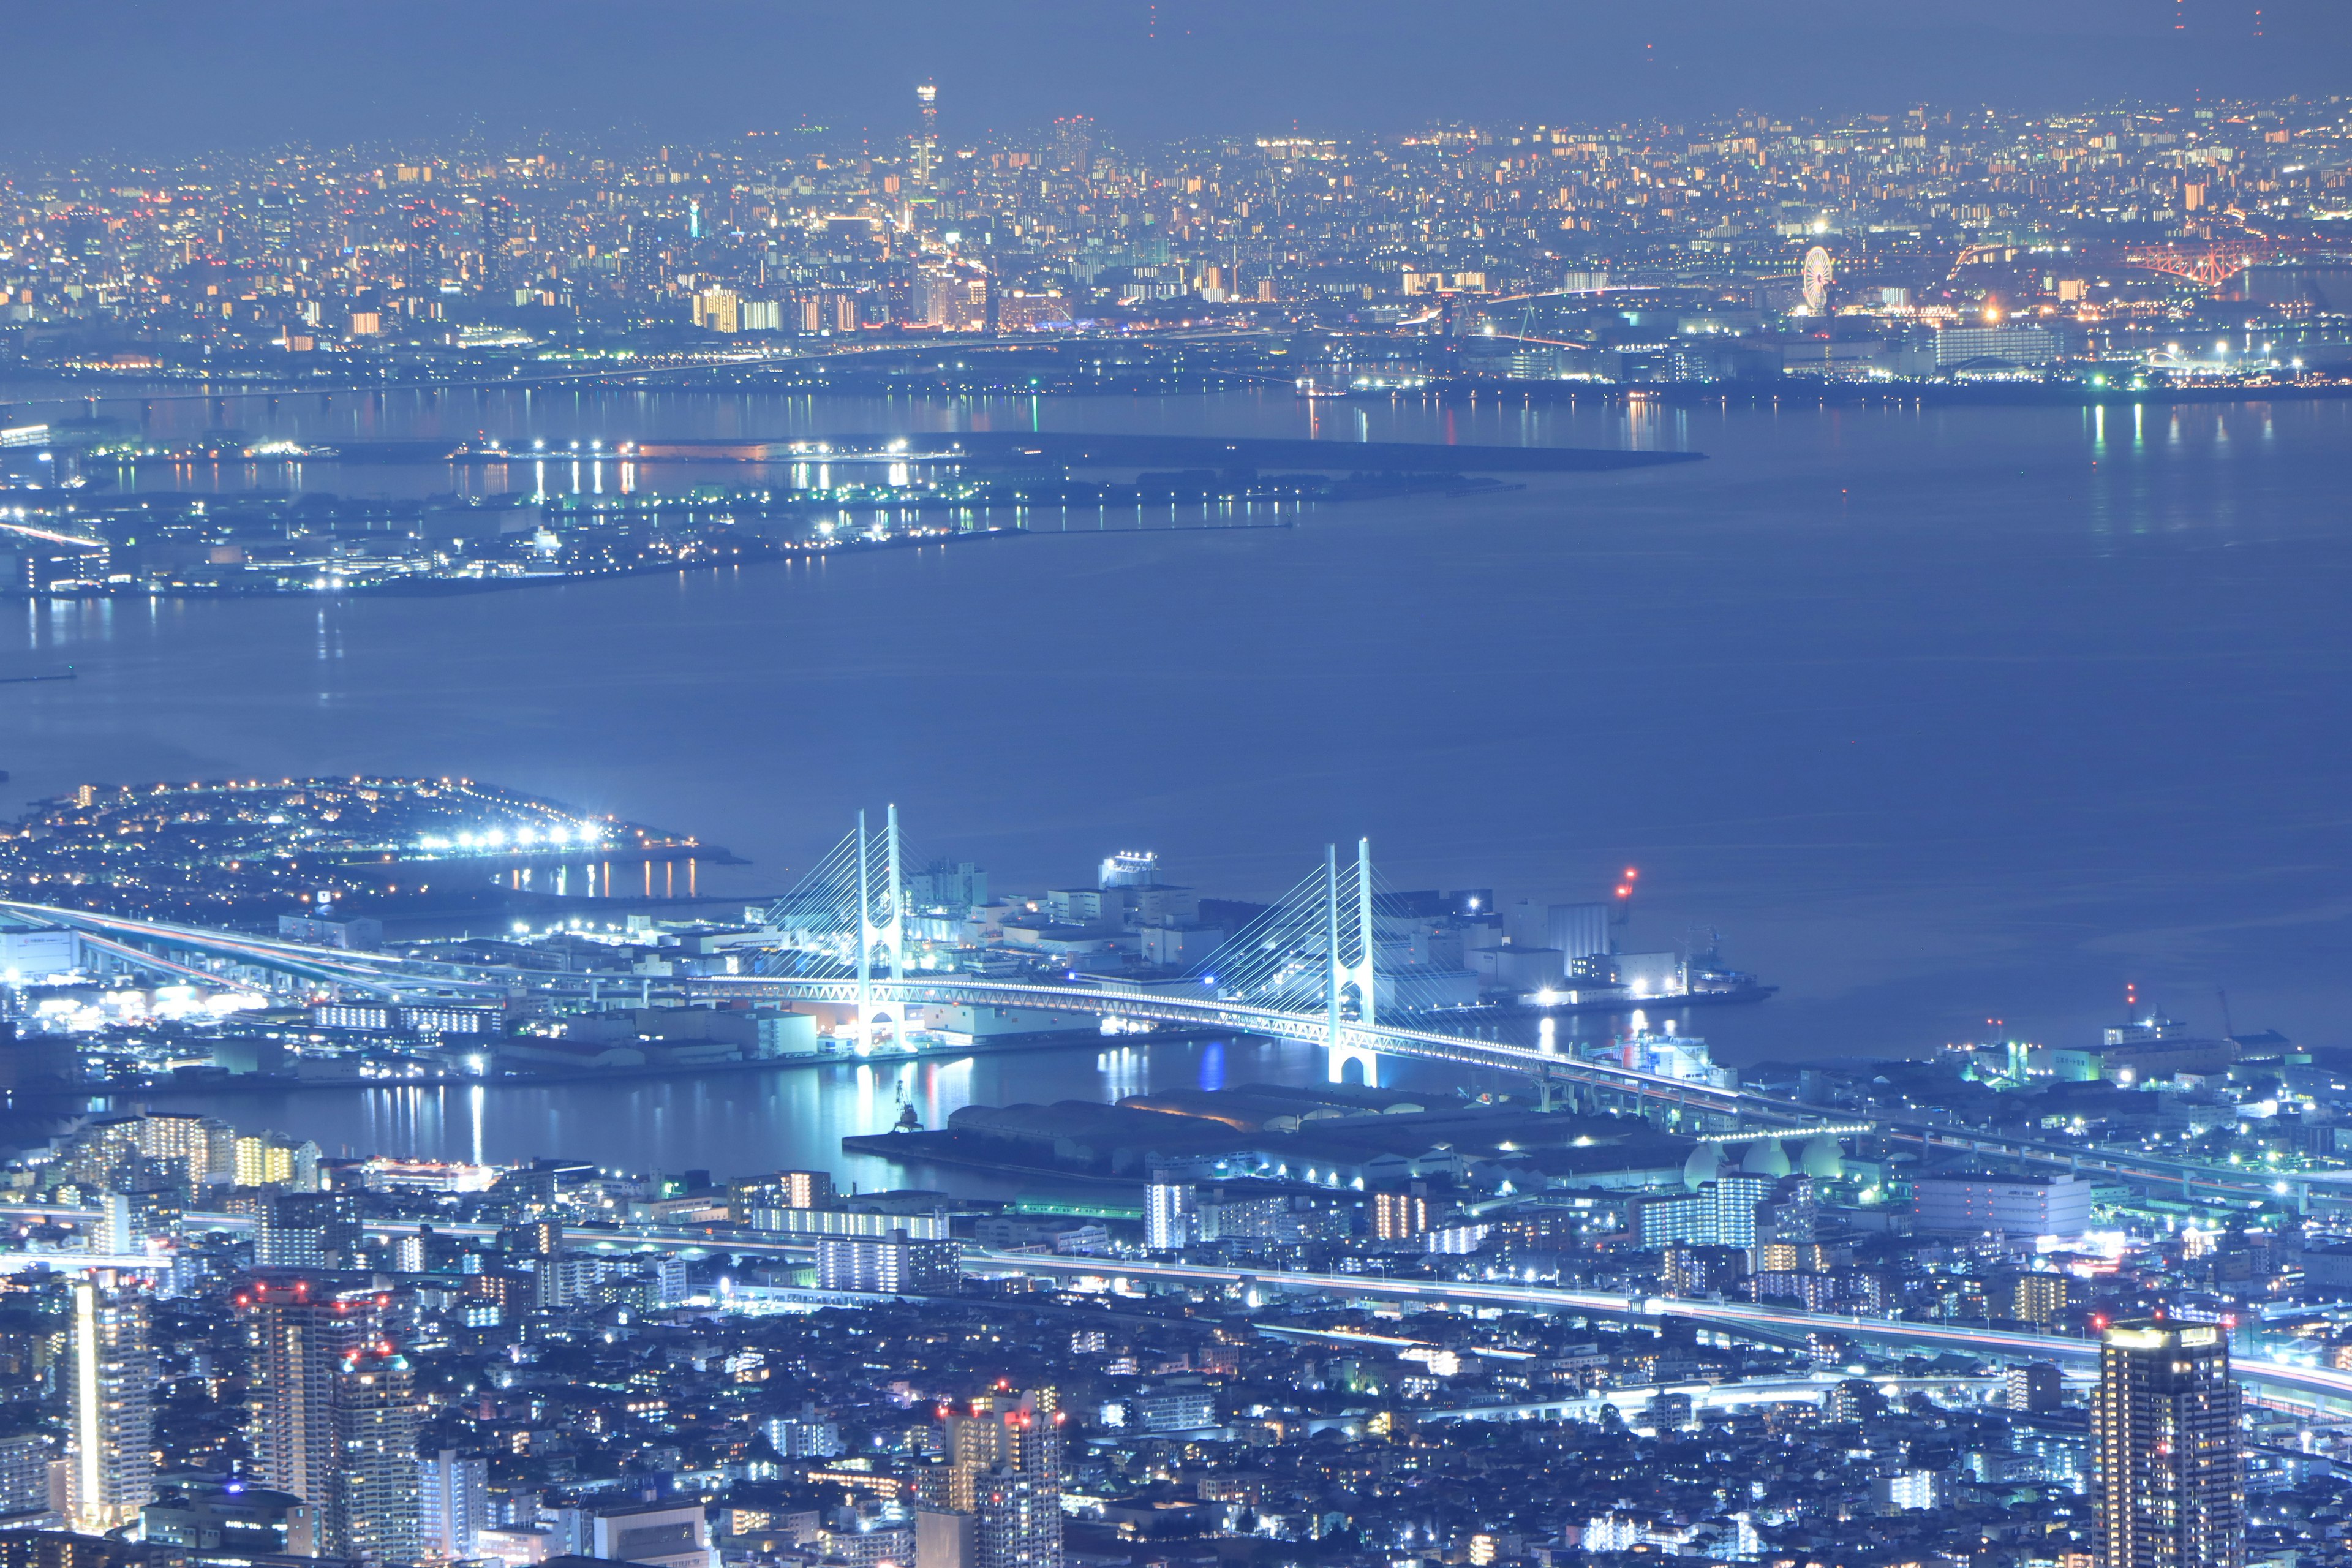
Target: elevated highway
167	948
2316	1386
183	954
1140	1005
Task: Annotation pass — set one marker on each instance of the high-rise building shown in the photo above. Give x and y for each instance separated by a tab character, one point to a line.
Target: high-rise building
893	1265
1172	1212
113	1471
1016	1522
454	1504
1399	1216
25	1458
375	1507
2038	1299
719	310
1721	1213
534	1239
1009	1430
928	142
2168	1475
301	1337
808	1434
953	299
185	1139
1736	1194
2032	1387
306	1230
1003	1487
1074	143
805	1189
266	1159
950	885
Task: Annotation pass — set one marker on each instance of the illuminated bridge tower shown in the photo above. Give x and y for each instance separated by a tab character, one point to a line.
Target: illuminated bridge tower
888	932
1345	976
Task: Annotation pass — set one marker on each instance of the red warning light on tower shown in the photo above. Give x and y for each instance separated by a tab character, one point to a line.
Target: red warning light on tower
1624	897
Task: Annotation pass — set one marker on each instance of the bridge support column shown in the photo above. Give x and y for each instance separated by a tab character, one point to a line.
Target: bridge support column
864	1039
1367	985
894	930
1338	974
891	933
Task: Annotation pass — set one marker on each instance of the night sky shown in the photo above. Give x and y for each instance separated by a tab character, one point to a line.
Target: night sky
160	77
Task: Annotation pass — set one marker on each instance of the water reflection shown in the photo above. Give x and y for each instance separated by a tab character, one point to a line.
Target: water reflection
740	1122
1893	709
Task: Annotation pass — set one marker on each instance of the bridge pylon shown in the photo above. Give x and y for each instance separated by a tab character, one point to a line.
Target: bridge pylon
887	934
1344	977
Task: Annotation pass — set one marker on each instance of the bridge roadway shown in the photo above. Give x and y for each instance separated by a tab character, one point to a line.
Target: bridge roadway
379	974
385	975
1201	1012
402	978
1546	1068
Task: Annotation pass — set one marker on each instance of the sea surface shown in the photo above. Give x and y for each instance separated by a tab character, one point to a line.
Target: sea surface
1940	716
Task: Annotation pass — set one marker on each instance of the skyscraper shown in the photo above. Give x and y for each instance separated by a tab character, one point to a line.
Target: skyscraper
113	1418
2169	1479
375	1505
455	1503
298	1338
1010	1429
1016	1522
307	1230
1005	1470
1172	1212
927	142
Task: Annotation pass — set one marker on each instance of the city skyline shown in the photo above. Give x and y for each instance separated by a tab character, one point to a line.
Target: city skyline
1147	68
1173	784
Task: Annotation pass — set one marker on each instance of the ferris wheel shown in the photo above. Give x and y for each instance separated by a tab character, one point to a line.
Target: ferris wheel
1818	269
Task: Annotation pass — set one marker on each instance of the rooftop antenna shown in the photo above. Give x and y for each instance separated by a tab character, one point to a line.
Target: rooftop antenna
2228	1029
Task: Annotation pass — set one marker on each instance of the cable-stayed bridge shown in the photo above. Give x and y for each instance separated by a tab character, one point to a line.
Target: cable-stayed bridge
1330	963
1311	962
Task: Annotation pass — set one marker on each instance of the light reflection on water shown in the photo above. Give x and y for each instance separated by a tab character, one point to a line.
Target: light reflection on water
738	1124
742	1123
1938	713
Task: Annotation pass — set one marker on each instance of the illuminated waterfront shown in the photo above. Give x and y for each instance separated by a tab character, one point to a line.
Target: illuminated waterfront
1916	705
